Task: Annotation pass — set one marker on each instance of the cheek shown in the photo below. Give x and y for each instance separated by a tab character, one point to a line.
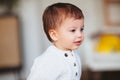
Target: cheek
83	36
63	35
66	38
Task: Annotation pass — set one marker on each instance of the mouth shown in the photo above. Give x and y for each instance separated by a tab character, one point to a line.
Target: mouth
77	43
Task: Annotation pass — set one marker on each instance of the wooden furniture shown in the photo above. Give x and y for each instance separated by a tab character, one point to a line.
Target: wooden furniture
10	57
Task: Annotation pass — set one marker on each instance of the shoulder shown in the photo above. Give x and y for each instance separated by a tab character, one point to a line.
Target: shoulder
49	64
49	57
50	60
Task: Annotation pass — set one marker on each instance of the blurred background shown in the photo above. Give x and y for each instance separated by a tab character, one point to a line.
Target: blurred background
22	38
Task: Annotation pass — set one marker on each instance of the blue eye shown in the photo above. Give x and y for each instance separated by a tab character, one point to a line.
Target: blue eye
73	30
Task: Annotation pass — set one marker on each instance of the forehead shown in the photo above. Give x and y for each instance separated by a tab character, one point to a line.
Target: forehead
71	22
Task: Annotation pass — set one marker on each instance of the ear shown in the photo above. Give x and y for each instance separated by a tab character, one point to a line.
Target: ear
53	34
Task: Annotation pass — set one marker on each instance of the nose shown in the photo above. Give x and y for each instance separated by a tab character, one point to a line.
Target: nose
79	34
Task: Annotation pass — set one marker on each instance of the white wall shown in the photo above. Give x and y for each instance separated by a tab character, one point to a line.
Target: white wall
34	41
31	34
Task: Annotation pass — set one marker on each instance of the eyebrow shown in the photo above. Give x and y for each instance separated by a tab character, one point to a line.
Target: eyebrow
75	27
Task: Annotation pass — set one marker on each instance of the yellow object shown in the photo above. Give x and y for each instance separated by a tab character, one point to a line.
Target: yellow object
108	43
118	47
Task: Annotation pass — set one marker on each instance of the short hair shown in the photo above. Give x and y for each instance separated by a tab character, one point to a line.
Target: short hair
56	13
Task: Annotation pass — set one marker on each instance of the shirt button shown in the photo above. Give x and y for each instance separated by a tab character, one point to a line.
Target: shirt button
74	64
76	73
66	55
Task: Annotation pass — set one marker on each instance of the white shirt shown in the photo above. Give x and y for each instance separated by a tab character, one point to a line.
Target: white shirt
55	64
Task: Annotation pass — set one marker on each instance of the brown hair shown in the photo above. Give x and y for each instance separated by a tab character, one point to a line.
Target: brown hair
54	15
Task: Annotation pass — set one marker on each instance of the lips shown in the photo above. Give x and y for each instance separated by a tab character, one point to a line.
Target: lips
77	43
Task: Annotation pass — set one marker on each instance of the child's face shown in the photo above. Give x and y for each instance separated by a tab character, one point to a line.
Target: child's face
69	35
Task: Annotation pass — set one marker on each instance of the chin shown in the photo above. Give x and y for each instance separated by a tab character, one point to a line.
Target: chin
73	47
76	47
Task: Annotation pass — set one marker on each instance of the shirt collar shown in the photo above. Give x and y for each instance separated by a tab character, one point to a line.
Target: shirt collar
52	47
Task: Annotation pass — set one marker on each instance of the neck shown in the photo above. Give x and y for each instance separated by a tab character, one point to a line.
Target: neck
61	48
